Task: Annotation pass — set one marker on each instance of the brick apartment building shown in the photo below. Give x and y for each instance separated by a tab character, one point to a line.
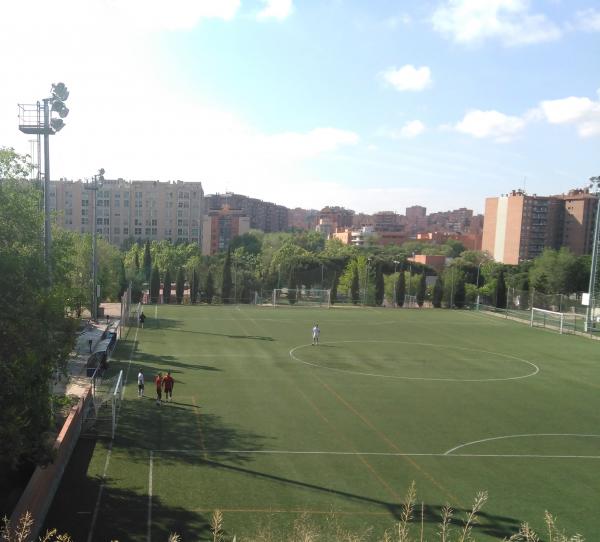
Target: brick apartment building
220	226
263	215
519	227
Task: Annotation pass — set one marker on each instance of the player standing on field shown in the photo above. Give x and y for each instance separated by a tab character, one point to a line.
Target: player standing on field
316	332
140	384
168	383
159	384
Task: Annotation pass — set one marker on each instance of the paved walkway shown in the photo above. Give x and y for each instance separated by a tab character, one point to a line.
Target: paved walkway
76	381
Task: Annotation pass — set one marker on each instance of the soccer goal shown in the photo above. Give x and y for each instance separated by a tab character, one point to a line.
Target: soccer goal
301	297
547	319
104	408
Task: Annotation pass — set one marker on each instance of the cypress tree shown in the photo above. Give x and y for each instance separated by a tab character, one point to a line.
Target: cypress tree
501	291
179	286
147	261
460	293
354	286
136	261
422	288
400	288
209	287
227	283
154	285
167	287
379	285
438	293
194	287
334	287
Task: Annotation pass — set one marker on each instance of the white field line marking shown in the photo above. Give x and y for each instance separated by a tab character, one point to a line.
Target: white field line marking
509	356
383	454
104	473
520	436
149	525
97	506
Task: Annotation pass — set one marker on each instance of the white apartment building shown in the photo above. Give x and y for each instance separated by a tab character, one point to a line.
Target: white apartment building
125	210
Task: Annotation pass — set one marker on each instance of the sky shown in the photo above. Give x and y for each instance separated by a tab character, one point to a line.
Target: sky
372	104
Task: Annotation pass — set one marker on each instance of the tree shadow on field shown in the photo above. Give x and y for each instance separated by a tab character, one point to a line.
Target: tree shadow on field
122	513
228	335
186	429
496	526
177	325
152	364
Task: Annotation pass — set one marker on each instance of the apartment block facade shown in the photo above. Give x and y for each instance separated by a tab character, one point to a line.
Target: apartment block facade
123	210
263	215
220	226
519	227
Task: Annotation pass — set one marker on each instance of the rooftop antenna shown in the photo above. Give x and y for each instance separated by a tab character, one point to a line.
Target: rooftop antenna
525	184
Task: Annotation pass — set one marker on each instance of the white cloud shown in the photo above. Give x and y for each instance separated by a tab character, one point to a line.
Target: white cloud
510	21
408	77
490	124
581	111
396	21
276	9
588	20
412	129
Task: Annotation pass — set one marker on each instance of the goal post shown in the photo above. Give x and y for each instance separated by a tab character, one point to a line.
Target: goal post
297	297
547	319
115	402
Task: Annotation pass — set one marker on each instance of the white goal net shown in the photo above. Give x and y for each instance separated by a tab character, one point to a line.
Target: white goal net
301	297
107	395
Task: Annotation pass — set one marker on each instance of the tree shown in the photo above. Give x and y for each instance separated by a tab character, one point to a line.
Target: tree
334	287
438	293
194	287
292	292
379	285
154	285
421	290
37	336
500	294
167	287
179	286
226	283
459	292
209	287
147	261
137	260
354	286
400	288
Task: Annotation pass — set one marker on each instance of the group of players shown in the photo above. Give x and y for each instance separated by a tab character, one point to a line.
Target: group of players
163	383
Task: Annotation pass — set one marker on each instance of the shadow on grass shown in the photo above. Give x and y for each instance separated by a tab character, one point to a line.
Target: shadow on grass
488	524
177	325
122	513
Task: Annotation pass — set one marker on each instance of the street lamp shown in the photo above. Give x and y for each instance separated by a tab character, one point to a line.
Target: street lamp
98	179
37	119
589	321
395	262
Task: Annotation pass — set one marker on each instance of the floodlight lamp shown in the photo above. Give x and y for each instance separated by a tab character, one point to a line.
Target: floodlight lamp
57	124
60	108
60	91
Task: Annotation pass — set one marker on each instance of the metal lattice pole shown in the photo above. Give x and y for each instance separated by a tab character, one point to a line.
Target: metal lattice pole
594	266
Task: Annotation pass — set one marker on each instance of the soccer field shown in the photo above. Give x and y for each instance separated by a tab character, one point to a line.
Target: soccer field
268	428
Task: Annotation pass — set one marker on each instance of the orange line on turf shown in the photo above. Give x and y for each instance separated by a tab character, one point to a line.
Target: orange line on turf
389	442
199	423
389	489
289	511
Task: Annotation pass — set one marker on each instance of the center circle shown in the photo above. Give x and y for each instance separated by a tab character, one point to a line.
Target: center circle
404	360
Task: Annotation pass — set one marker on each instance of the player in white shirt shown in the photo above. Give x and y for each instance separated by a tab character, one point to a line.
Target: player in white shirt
140	384
316	332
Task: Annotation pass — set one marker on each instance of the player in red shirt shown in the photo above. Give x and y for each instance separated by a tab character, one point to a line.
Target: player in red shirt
159	385
168	384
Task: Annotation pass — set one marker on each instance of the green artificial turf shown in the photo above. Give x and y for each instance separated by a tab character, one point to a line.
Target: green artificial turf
266	427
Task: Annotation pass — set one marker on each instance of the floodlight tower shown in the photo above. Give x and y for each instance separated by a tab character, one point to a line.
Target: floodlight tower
98	180
37	119
589	321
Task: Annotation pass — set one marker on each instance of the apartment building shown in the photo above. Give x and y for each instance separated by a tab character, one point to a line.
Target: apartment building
220	226
263	215
519	227
130	210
